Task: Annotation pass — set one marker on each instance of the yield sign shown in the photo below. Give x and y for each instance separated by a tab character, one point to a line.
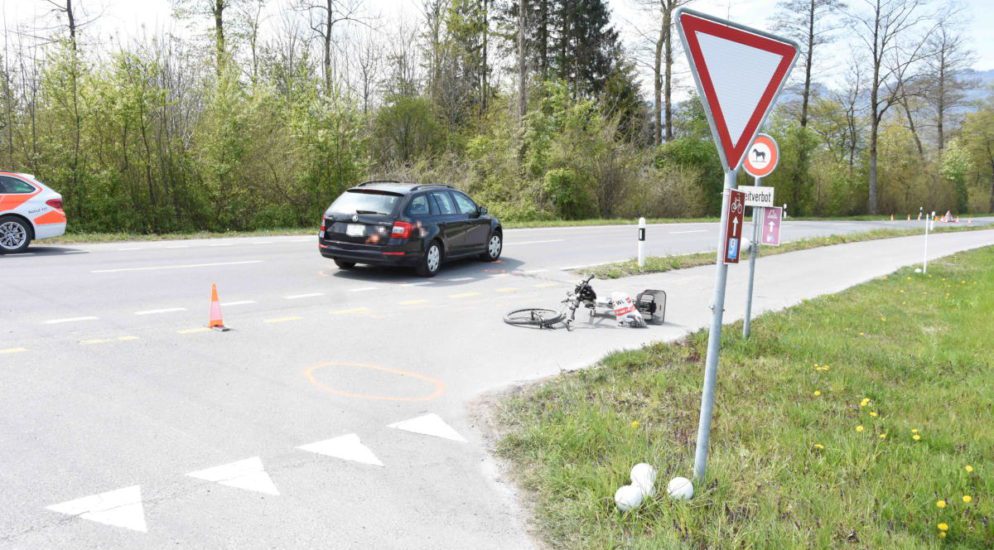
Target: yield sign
739	73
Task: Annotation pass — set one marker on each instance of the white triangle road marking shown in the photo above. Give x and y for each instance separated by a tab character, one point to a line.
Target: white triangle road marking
346	447
248	474
740	74
118	508
429	424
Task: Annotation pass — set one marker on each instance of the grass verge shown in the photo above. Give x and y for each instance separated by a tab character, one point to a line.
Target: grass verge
659	264
862	417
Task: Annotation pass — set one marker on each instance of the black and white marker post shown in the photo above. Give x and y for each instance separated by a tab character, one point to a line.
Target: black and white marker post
739	72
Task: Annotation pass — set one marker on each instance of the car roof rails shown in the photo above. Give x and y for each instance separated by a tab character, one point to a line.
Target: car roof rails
376	181
424	185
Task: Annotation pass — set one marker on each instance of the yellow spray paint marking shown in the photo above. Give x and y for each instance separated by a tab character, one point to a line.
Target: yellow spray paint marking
413	302
463	295
437	386
282	320
352	311
12	350
127	338
94	341
197	330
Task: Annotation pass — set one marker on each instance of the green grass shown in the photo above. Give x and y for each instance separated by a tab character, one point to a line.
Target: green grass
659	264
601	221
917	348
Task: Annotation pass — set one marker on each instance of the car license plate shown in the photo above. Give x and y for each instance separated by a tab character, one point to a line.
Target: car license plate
355	230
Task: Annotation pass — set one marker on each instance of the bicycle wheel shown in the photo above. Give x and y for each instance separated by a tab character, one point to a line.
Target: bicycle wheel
535	317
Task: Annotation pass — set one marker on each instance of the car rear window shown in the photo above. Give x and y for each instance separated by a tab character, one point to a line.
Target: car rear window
364	202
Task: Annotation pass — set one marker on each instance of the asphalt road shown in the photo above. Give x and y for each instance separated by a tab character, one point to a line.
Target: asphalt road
125	424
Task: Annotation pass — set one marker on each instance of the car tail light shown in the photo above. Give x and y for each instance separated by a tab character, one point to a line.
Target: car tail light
401	230
54	203
323	228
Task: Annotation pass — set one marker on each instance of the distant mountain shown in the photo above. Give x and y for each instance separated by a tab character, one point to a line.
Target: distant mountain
985	84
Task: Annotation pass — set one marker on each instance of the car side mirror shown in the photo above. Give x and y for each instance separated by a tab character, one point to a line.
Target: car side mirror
481	210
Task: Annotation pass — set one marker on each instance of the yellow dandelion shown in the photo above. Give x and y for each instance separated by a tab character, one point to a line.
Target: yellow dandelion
817	393
883	318
968	468
943	526
883	436
635	424
873	414
942	534
916	437
967	499
864	402
861	334
819	446
940	504
859	428
914	430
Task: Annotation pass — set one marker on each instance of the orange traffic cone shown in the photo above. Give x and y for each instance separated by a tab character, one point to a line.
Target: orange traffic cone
216	322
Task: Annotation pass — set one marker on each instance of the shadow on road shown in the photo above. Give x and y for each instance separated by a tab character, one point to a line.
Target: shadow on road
471	269
44	251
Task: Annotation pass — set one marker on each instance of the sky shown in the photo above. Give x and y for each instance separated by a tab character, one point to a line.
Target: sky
126	17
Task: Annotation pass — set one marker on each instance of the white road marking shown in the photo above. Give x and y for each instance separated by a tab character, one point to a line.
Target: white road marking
512	243
688	232
132	248
76	252
158	311
94	341
532	271
299	296
166	267
346	447
71	320
239	303
429	424
119	508
363	289
9	351
425	283
572	267
459	279
248	474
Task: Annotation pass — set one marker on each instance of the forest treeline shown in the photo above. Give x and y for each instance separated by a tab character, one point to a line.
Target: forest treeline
259	117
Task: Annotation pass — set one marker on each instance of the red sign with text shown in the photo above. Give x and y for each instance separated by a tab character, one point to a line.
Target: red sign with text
733	229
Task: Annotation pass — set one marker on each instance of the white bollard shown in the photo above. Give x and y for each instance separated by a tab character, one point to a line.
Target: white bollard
641	243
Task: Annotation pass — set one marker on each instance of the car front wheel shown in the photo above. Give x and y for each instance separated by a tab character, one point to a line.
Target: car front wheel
14	235
494	247
431	261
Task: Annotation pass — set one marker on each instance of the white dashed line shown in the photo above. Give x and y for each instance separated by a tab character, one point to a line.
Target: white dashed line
532	271
426	283
239	303
363	289
168	267
71	320
158	311
459	279
9	351
299	296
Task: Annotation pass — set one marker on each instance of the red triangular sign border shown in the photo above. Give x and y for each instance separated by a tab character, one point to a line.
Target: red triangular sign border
691	24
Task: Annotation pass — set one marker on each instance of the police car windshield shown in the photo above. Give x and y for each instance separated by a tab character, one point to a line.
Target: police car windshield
364	202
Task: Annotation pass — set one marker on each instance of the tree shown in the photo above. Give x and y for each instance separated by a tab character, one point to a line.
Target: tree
978	133
809	22
947	86
884	27
522	32
323	15
216	10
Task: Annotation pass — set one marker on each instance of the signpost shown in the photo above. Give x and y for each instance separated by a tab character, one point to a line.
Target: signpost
734	226
739	72
760	162
771	225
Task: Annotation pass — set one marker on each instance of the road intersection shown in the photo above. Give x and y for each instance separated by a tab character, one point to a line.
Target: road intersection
335	413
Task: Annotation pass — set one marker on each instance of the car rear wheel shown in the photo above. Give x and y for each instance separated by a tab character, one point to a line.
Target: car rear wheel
494	247
431	261
342	264
14	235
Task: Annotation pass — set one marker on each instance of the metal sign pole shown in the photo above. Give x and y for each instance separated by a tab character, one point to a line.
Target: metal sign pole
714	341
753	252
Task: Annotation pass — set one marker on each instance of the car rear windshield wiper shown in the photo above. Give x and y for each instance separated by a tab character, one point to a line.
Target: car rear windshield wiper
370	212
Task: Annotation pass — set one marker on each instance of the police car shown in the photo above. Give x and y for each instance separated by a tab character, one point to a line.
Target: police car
29	211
